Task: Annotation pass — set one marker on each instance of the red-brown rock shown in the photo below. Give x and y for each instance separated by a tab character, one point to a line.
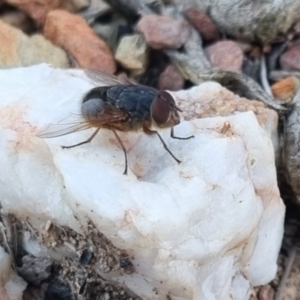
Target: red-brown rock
226	55
162	32
171	79
290	60
203	23
72	33
38	10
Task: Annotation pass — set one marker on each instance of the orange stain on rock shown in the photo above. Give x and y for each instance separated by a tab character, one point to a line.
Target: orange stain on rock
12	118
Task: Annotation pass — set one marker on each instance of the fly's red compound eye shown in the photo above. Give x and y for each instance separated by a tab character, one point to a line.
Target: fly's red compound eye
160	110
168	97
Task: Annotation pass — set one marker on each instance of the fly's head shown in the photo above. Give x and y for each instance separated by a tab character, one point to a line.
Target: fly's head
164	111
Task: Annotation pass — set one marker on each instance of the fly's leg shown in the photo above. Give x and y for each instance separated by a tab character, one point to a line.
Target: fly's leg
150	132
124	150
180	138
85	142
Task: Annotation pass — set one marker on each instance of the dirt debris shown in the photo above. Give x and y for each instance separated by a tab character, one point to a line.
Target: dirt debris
79	274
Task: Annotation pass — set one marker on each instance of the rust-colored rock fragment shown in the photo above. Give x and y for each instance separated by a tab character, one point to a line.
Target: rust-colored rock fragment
286	89
72	33
38	9
203	23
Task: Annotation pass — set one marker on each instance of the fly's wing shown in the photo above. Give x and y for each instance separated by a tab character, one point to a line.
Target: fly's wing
110	116
103	78
56	130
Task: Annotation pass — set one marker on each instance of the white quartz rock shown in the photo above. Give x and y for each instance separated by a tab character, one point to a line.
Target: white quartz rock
11	285
209	228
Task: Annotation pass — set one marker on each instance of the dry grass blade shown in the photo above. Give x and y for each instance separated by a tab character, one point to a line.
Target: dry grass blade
286	274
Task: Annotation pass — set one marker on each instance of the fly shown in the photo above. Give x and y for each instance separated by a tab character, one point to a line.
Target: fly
122	105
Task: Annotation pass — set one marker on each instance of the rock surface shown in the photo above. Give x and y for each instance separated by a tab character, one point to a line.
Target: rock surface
217	101
72	33
249	20
11	285
226	55
209	228
17	49
162	32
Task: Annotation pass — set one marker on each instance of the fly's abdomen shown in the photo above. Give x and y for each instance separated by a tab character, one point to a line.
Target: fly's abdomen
92	108
94	102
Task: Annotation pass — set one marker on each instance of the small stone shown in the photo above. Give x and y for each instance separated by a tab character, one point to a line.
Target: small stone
286	89
162	32
96	8
72	33
290	60
171	79
58	291
226	55
105	31
80	4
17	49
255	52
34	269
266	292
132	53
112	32
203	23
